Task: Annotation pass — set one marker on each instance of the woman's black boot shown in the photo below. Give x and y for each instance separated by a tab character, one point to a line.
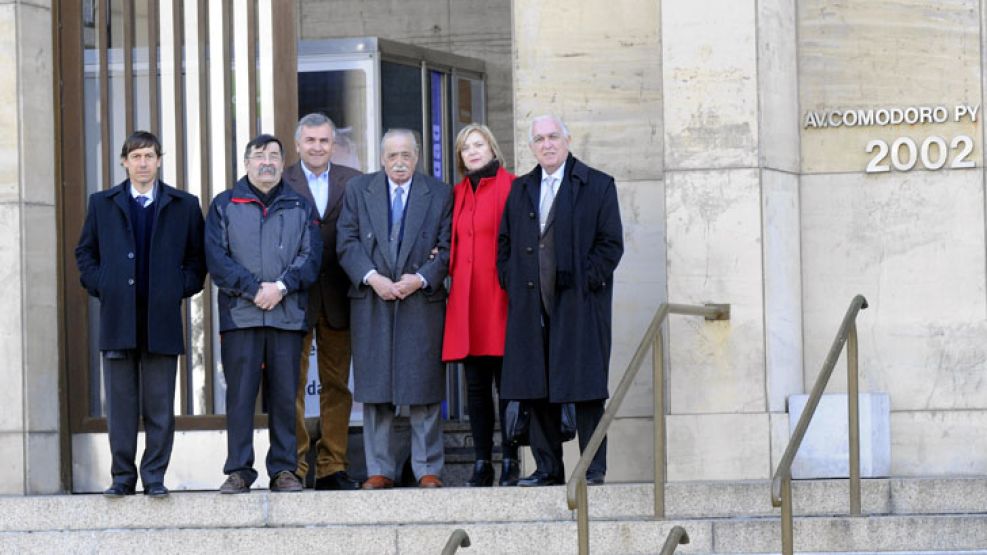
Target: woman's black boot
483	475
510	472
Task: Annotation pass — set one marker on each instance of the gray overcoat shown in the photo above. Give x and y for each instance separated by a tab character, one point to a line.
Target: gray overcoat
397	345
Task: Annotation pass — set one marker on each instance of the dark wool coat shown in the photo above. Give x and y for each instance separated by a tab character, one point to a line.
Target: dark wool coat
580	337
327	296
106	259
397	345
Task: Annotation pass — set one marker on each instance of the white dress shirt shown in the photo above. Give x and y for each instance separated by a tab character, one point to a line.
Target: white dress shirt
149	195
319	185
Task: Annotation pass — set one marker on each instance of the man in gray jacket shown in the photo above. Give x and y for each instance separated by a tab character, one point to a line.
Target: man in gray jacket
263	250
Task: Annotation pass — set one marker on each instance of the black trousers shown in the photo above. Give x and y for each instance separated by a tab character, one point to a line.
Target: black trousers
545	434
140	385
482	374
545	431
248	356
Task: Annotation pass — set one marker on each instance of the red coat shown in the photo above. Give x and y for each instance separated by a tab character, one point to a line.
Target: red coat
476	316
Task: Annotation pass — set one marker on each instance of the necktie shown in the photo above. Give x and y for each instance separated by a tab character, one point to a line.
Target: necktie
397	212
547	198
142	200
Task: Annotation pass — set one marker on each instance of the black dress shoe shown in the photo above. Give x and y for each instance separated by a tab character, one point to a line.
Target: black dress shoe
538	479
595	478
510	472
337	481
118	490
156	490
483	475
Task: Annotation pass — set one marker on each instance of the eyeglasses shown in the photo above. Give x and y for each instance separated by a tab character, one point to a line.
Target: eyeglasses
265	157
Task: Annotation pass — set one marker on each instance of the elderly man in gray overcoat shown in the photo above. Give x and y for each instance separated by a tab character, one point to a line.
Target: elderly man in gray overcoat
393	242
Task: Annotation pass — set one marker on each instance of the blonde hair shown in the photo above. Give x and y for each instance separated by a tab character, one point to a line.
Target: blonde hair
484	131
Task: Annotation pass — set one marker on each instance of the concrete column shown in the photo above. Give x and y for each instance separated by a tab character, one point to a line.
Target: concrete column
29	445
731	164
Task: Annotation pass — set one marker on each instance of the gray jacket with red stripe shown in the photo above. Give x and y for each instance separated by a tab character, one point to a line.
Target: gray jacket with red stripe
248	243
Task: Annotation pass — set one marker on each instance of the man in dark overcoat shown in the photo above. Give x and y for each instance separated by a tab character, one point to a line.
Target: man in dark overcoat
323	183
560	241
140	254
393	242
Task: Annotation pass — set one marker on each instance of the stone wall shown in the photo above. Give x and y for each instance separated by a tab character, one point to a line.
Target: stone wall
911	241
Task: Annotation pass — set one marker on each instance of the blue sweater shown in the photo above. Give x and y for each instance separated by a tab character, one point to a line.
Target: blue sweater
142	220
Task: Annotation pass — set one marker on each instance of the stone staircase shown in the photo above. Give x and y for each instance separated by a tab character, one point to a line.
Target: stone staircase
901	515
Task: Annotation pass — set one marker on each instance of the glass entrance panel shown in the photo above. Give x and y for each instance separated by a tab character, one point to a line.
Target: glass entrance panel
401	99
342	90
468	105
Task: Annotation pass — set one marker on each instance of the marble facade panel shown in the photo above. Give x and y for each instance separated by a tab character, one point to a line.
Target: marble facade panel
782	286
718	447
630	450
9	99
392	20
777	76
715	256
778	421
640	286
920	54
11	463
40	318
596	65
709	68
913	245
43	458
11	323
34	71
938	443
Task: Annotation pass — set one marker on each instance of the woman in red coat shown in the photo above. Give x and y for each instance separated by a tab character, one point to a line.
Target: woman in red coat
476	316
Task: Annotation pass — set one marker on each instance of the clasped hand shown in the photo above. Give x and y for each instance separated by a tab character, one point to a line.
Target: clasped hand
394	290
268	296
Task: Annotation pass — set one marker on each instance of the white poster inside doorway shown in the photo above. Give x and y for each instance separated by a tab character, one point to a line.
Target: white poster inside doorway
312	388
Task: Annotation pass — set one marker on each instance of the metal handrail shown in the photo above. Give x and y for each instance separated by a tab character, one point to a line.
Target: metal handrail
576	494
781	482
458	538
676	536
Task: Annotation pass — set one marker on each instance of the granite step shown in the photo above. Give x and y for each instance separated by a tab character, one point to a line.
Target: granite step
915	533
684	500
901	514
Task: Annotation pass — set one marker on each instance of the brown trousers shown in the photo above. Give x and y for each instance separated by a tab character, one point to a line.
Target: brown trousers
335	400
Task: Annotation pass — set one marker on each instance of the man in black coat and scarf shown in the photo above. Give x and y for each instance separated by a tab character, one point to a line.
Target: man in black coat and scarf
560	241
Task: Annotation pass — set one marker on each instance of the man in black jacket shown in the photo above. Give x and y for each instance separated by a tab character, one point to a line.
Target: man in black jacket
140	254
263	250
559	244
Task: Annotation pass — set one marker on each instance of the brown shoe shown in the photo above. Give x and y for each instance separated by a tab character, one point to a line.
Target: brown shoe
430	481
234	484
378	482
286	481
